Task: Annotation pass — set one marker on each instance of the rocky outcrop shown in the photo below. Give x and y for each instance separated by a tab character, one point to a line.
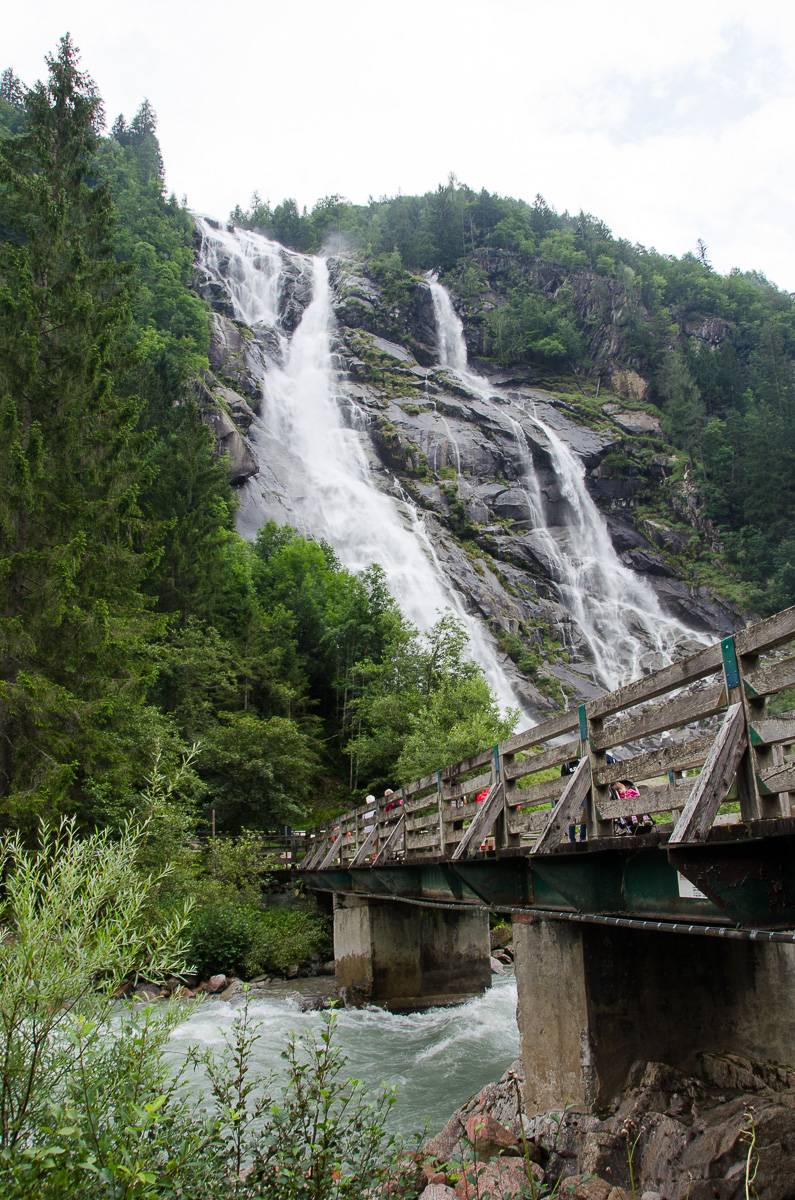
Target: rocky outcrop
241	462
675	1135
235	356
462	456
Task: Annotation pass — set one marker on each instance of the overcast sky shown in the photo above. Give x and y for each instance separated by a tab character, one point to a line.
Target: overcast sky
671	122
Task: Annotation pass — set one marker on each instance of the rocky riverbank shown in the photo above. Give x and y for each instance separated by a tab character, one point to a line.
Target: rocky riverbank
722	1134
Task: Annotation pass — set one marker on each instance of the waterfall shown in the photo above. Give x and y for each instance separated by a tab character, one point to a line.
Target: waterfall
319	477
618	613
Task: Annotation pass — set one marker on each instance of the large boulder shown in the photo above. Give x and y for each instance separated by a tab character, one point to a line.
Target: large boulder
241	462
237	406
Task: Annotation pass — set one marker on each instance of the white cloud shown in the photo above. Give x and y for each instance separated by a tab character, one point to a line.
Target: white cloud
669	122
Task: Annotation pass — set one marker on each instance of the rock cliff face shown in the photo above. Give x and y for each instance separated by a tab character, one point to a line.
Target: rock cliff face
462	458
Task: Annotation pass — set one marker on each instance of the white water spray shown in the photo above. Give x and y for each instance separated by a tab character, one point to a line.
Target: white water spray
327	486
618	613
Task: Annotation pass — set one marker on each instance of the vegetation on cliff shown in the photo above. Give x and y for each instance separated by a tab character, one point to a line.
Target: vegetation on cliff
561	295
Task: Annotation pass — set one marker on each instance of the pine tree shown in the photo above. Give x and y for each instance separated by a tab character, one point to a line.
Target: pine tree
73	627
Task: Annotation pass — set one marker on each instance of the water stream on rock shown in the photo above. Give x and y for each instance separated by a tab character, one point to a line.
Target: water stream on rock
617	612
325	485
437	1058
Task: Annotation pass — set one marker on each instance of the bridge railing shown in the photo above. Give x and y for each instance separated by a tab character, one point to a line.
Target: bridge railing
706	712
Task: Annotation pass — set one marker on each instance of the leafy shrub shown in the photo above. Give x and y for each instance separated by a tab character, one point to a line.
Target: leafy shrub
223	938
239	939
290	936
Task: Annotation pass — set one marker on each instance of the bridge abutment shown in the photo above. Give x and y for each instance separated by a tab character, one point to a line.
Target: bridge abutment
592	999
408	956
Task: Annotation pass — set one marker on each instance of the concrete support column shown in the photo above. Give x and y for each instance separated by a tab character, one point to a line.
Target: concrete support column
553	1016
407	956
592	999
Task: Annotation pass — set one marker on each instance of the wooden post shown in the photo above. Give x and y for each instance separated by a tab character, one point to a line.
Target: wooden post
752	804
405	820
505	837
595	826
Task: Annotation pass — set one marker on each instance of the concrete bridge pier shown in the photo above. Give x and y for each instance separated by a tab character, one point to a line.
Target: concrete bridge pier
592	999
405	956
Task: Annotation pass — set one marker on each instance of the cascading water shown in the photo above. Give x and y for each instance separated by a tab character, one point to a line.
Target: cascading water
324	479
617	612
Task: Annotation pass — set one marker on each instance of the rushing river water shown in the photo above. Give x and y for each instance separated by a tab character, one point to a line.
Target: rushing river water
437	1058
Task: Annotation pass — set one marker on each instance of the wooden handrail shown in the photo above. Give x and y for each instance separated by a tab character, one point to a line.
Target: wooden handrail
437	810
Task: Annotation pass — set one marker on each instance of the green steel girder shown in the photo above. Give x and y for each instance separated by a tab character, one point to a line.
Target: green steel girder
744	881
751	882
495	881
333	879
589	882
652	888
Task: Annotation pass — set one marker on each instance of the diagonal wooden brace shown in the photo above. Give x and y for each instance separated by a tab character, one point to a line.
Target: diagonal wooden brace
365	848
715	779
315	854
483	820
392	842
333	851
567	811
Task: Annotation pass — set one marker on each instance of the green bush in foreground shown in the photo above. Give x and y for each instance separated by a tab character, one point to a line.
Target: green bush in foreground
88	1105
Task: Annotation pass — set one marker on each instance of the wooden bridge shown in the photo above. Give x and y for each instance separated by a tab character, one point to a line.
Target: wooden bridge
719	775
685	929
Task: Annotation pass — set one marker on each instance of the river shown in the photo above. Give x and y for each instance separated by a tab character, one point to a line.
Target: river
437	1058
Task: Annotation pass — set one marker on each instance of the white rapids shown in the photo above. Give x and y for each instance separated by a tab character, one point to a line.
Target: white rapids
437	1059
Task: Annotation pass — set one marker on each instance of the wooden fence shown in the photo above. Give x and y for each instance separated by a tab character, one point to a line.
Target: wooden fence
706	716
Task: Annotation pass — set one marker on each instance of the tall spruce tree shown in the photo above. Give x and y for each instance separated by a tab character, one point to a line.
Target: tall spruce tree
73	626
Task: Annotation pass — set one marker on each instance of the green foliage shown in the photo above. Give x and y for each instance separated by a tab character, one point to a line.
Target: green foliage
73	928
89	1105
242	940
73	625
257	772
424	704
318	1138
459	519
324	1138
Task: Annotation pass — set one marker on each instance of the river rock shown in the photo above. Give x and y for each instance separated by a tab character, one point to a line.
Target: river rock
504	1179
233	989
501	936
496	967
215	984
439	1191
690	1134
488	1136
585	1187
148	991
